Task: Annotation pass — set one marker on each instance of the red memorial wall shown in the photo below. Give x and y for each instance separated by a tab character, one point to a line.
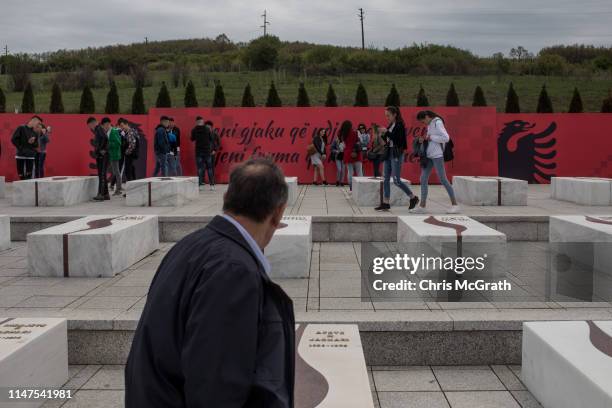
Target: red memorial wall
533	147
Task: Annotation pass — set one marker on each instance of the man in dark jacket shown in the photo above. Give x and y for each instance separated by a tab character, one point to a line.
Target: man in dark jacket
203	139
25	140
100	145
161	146
174	158
216	331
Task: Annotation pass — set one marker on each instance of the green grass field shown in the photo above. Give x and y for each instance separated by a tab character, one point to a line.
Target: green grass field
593	89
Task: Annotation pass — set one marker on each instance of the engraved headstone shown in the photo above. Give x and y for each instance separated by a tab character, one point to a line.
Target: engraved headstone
292	183
591	191
493	191
368	192
161	191
290	249
5	232
94	246
54	191
2	187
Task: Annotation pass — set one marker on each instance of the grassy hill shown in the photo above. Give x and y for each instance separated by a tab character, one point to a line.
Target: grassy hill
593	89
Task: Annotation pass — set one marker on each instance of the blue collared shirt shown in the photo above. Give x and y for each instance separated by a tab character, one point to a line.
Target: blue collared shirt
249	239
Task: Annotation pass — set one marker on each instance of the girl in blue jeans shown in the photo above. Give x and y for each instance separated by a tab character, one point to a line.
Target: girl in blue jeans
433	145
394	137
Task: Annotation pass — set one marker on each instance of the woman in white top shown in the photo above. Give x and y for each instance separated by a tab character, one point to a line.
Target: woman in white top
435	141
319	156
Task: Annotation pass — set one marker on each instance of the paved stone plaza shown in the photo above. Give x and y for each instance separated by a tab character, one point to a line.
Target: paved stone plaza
101	386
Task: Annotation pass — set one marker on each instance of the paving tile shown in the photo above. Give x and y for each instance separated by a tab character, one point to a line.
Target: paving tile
341	303
407	379
481	399
526	399
508	378
81	377
412	400
103	302
96	399
467	378
46	301
109	377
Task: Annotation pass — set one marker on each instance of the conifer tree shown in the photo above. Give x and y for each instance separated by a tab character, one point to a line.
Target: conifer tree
2	101
273	101
479	97
27	103
56	105
219	97
331	101
512	101
112	100
452	99
163	97
576	103
393	98
248	101
361	96
138	105
303	101
606	106
191	101
422	98
544	102
87	105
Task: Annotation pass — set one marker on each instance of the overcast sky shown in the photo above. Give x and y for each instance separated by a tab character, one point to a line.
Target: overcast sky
483	26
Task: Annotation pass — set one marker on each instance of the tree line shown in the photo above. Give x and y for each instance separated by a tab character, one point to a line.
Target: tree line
88	104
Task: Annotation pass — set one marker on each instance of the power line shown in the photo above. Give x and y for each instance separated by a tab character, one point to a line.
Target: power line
362	34
266	23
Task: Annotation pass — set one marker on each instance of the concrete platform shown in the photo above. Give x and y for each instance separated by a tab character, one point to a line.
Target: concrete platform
33	354
5	232
95	246
330	369
481	190
368	192
292	183
568	364
161	191
590	191
290	250
54	191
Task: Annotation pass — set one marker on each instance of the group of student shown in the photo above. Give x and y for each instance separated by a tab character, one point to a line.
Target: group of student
386	146
30	141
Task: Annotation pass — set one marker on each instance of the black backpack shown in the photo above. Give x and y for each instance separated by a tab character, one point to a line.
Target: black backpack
447	148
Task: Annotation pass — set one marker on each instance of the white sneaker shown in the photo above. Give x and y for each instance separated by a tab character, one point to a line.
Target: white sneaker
212	188
418	210
455	209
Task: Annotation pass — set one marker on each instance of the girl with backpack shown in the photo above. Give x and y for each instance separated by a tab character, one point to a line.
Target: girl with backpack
435	148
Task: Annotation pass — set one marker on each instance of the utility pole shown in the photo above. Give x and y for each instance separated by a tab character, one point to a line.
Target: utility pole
6	50
266	23
362	35
146	40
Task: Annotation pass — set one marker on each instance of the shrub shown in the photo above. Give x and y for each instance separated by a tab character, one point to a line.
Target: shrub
219	97
331	101
273	101
163	97
479	97
544	102
422	98
361	96
56	105
138	105
112	100
262	53
512	101
87	105
2	101
191	101
248	101
576	103
606	106
27	103
393	98
452	99
303	100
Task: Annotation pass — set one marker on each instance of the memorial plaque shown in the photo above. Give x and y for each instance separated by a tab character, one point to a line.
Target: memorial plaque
330	370
292	183
54	191
2	187
368	192
591	191
450	228
161	191
290	249
94	246
491	191
33	354
568	364
5	232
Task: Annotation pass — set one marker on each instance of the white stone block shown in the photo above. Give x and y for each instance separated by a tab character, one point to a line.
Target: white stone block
591	191
5	232
568	364
367	192
54	191
330	368
573	232
94	246
2	187
292	183
161	191
33	354
485	190
290	249
436	229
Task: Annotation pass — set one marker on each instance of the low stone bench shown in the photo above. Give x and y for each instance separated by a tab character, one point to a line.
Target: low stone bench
330	369
161	191
2	187
33	355
368	192
568	364
290	249
292	183
94	246
54	191
485	190
587	241
5	232
592	191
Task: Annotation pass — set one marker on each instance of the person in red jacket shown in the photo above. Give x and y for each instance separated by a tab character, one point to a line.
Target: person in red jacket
352	152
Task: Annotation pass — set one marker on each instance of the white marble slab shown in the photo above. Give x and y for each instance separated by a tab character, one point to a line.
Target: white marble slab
2	187
54	191
5	232
290	249
33	354
292	183
367	192
161	191
425	228
485	190
330	368
591	191
94	246
564	366
573	231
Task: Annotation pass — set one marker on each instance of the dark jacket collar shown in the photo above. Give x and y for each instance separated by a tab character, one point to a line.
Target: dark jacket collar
225	228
